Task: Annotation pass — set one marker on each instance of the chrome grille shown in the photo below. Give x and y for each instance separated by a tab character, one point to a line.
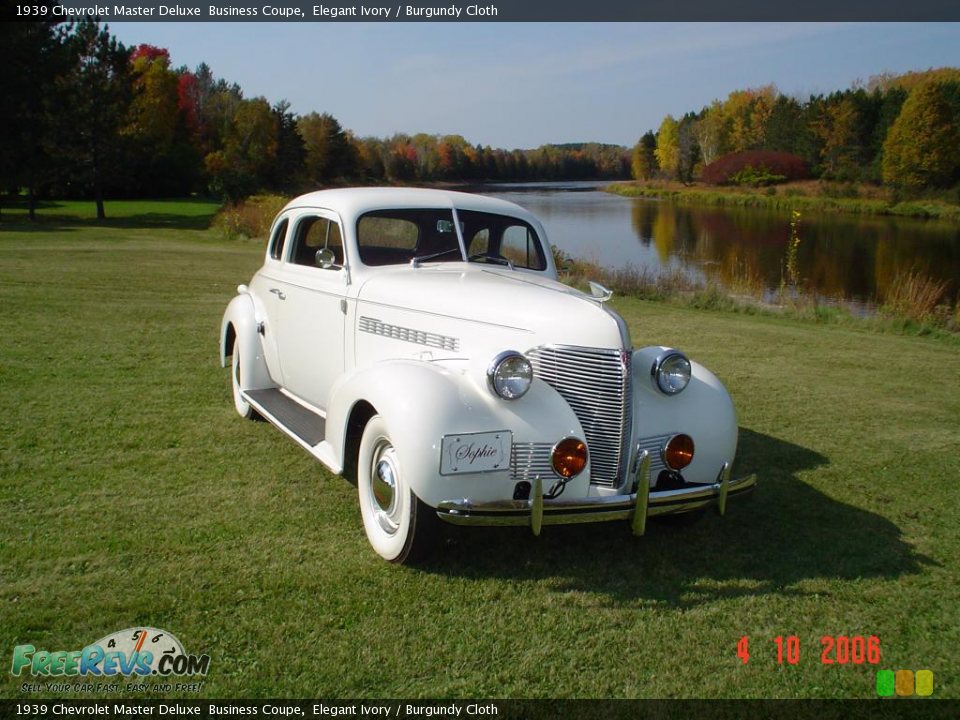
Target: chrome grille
654	446
528	460
595	383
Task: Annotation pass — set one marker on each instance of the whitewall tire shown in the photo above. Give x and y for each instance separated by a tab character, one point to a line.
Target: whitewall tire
399	526
242	406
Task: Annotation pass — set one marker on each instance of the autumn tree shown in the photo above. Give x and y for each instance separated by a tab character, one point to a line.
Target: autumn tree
161	158
329	154
837	130
668	147
923	145
709	131
249	151
370	152
746	113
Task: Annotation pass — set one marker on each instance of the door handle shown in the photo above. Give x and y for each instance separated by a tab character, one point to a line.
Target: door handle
279	293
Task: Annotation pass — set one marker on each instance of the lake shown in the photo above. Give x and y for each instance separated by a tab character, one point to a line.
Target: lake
848	257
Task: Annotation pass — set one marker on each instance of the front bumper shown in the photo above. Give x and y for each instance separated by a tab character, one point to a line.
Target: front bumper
636	507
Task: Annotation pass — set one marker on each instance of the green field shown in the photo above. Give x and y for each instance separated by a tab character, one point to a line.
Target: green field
133	495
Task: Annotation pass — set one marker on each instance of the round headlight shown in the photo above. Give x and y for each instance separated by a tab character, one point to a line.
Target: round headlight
672	372
510	375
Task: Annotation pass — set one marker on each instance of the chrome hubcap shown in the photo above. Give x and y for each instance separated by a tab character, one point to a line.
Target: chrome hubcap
384	486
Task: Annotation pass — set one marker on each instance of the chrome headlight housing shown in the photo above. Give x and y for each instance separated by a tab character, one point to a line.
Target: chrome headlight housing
671	371
510	375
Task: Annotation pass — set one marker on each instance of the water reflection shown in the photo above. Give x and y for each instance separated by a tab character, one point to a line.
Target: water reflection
839	256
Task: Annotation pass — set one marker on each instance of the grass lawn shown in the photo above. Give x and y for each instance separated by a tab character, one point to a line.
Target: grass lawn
132	495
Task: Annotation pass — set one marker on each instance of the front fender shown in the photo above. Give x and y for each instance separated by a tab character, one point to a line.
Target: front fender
704	411
239	324
423	401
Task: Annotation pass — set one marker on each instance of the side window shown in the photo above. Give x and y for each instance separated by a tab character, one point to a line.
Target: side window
278	239
520	247
479	243
312	234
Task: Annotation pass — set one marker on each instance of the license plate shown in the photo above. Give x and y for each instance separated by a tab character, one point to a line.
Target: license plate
475	452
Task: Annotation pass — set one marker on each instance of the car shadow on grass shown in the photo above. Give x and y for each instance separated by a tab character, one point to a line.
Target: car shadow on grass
783	534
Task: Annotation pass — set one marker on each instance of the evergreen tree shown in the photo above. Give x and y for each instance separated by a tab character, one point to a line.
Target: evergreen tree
643	160
93	101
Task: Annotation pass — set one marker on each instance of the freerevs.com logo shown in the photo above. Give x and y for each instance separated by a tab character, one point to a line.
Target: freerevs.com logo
134	651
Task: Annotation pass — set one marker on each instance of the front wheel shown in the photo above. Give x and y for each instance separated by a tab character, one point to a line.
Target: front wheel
399	526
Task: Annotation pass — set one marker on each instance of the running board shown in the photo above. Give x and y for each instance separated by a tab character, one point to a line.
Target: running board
289	415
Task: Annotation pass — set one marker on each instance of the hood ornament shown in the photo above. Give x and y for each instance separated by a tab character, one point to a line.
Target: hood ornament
599	292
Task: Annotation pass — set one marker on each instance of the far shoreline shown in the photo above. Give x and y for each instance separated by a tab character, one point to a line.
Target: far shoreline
808	196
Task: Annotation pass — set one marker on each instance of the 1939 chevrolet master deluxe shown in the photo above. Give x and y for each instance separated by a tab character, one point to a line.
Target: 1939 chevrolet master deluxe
419	340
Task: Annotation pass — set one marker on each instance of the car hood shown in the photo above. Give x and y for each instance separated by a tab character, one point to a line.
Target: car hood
528	304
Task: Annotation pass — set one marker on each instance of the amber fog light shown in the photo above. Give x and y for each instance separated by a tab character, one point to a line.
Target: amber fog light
678	452
569	457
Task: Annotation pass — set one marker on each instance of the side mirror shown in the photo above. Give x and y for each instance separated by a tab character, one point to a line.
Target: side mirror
325	258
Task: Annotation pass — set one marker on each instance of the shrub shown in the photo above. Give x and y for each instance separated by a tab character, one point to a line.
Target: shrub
755	177
755	164
249	218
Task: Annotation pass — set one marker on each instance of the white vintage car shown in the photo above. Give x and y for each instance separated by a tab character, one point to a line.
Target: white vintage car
420	342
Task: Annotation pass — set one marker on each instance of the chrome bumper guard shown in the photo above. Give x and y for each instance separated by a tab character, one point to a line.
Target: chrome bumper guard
635	507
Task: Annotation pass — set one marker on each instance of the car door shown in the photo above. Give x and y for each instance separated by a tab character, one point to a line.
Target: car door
312	301
265	288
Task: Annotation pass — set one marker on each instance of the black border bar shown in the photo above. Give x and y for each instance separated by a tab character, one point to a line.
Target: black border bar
326	11
874	709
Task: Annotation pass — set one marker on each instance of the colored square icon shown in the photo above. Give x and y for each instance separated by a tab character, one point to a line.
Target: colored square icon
904	682
885	683
924	682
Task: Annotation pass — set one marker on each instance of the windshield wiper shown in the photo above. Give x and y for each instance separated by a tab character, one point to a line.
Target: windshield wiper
415	262
491	258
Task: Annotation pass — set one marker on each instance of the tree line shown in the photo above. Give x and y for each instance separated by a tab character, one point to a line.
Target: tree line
896	130
85	116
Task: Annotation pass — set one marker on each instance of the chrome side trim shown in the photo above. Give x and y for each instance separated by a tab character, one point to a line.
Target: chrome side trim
419	337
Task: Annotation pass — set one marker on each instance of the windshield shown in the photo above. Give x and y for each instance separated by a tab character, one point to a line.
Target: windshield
393	237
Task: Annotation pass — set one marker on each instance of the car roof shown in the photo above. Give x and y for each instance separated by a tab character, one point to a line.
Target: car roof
356	201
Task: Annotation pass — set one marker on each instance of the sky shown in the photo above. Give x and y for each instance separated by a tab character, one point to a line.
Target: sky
521	85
